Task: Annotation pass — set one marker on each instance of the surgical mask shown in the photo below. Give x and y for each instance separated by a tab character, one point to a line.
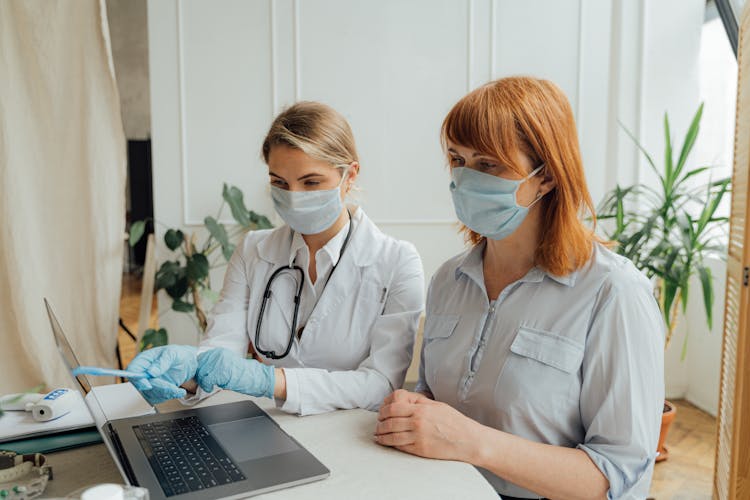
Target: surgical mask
487	204
309	212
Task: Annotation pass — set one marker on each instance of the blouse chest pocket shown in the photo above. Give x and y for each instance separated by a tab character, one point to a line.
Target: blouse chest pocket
548	348
542	371
437	350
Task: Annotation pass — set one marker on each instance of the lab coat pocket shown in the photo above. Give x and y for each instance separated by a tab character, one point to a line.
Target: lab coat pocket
438	329
542	372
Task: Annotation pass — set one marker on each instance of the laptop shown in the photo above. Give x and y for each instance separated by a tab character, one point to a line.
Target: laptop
228	450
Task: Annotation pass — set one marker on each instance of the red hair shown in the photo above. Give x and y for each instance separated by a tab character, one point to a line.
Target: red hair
523	115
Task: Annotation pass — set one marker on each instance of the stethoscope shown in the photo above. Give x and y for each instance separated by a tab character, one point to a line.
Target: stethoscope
297	298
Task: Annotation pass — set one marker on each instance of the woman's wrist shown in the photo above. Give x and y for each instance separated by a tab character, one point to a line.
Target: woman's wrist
483	444
279	388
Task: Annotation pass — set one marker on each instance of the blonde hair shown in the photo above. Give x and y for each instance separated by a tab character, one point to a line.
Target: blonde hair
317	130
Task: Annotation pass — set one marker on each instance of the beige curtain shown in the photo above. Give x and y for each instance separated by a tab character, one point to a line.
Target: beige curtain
62	184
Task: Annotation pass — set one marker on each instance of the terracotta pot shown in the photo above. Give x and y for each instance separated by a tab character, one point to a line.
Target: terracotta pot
667	417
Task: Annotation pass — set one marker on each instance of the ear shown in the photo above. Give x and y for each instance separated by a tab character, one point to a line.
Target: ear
351	177
548	183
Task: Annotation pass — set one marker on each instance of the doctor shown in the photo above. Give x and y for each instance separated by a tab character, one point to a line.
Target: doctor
328	304
542	361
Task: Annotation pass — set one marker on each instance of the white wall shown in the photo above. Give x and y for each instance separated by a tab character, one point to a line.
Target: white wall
221	71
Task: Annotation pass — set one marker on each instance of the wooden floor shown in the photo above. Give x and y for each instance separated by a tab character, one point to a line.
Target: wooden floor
688	472
686	475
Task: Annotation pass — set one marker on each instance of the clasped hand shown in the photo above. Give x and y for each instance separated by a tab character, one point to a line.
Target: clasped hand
413	423
168	367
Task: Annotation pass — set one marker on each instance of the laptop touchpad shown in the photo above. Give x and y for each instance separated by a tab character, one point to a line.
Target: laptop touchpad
252	438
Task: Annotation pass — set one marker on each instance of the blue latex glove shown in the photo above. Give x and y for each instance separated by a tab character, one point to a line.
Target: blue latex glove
167	368
228	370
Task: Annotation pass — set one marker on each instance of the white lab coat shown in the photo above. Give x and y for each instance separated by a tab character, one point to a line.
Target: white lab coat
357	343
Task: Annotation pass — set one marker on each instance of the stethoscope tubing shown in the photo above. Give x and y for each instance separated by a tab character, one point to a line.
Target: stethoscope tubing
297	299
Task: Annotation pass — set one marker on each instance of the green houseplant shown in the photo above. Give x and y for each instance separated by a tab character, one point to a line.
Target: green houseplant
669	230
185	278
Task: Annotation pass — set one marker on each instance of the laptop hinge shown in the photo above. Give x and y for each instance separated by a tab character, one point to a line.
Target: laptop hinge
121	457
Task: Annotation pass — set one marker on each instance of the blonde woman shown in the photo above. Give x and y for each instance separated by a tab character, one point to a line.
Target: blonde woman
327	302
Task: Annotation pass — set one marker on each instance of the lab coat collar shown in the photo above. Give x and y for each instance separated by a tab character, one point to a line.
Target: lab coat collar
363	247
472	266
332	248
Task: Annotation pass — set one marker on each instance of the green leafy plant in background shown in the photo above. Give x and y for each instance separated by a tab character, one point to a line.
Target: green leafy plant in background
186	277
669	230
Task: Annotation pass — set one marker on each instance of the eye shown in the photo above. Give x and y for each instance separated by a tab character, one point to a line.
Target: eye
486	166
278	182
456	161
312	183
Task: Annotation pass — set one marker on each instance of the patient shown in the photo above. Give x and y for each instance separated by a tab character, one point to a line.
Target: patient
542	361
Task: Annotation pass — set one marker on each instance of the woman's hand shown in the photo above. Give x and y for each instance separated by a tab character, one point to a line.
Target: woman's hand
168	368
413	423
226	369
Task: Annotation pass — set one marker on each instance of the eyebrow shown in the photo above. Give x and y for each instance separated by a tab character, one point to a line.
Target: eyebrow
307	176
476	153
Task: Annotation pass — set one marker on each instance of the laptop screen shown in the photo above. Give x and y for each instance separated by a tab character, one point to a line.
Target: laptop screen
66	351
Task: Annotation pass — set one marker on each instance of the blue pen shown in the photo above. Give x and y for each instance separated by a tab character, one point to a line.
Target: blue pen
107	372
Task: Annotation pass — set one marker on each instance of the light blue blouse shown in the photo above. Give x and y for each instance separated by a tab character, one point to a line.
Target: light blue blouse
574	361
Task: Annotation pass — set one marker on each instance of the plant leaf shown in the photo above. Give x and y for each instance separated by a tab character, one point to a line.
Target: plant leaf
137	229
180	288
260	221
690	136
182	306
708	293
234	198
219	232
668	165
154	338
173	238
167	275
197	267
670	291
641	148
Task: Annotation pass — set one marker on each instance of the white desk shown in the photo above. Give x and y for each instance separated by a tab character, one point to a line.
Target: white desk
342	440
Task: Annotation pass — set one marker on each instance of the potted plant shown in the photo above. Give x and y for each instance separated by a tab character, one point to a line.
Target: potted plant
186	278
668	230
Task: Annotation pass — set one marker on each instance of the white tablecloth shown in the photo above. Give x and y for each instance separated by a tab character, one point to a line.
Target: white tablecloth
360	468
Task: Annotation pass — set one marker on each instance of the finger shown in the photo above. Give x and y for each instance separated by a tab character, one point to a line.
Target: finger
410	448
141	384
190	386
205	379
397	424
140	363
166	390
396	410
162	363
397	395
396	439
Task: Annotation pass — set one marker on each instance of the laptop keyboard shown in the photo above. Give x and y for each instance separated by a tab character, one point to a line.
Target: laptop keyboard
185	457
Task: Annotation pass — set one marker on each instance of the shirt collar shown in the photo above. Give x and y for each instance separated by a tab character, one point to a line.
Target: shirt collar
332	247
472	266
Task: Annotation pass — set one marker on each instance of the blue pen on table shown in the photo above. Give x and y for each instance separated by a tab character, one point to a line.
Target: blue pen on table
108	372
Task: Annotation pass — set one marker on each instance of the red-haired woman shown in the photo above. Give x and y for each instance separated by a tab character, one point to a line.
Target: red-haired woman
542	361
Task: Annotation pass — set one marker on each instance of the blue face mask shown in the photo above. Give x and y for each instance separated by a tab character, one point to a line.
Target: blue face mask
309	212
487	204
